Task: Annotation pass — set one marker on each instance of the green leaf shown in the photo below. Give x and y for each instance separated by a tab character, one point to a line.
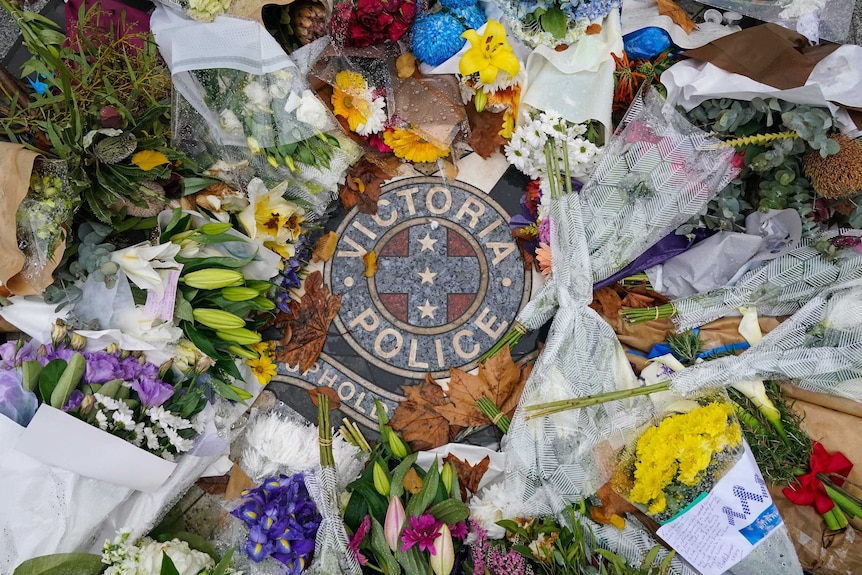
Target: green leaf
554	22
62	564
194	185
450	511
356	510
195	264
396	487
228	391
381	549
182	308
202	342
222	565
49	377
413	561
513	527
420	502
168	567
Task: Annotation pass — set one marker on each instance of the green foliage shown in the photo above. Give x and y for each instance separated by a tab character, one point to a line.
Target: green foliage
773	177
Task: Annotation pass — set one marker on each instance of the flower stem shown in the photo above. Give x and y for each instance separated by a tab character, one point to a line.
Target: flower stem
642	314
324	425
511	339
543	409
492	412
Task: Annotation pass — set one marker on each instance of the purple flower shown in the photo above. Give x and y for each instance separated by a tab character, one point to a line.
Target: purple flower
152	391
423	530
356	540
8	351
16	403
545	230
62	352
74	401
129	368
101	367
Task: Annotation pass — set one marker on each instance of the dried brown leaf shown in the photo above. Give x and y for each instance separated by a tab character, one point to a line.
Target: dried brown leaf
334	400
362	185
469	476
412	482
416	418
325	247
607	301
485	138
679	16
370	261
593	29
306	326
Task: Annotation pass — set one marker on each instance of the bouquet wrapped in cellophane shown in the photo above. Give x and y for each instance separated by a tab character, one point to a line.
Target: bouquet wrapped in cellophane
243	107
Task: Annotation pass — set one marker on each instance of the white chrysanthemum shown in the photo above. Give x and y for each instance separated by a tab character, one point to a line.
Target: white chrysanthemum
152	438
534	134
123	420
181	445
375	119
490	505
518	152
277	445
102	420
107	402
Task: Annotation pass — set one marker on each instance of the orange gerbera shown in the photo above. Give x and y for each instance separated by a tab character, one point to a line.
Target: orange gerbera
543	256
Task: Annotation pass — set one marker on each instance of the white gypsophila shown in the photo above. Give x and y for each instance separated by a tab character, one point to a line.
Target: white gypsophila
186	560
256	95
230	123
490	505
376	117
102	419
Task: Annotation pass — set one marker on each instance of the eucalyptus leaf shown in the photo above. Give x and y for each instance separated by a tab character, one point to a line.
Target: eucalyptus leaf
554	22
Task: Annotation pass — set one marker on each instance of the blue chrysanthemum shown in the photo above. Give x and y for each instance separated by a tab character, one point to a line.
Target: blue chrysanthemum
457	3
473	15
437	37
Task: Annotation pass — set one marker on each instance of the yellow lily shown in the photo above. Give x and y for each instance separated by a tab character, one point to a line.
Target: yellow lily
488	54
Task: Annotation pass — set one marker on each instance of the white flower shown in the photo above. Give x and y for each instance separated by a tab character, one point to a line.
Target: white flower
141	262
534	134
123	420
207	10
490	505
309	110
256	95
186	560
230	123
279	88
152	438
186	355
135	322
102	419
375	119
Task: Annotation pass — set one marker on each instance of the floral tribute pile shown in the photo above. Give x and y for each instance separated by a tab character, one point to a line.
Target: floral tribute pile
694	222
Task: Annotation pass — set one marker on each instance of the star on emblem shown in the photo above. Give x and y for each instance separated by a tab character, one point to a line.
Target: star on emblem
427	276
427	309
427	242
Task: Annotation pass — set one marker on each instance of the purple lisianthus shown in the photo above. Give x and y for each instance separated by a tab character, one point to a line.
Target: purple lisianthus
152	391
130	367
8	353
52	353
74	401
16	403
101	367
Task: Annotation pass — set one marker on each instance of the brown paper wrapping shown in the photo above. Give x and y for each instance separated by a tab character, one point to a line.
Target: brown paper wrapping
237	482
16	165
769	54
821	551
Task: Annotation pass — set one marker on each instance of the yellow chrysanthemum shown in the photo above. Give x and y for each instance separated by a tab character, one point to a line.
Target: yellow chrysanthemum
263	368
488	54
350	98
680	448
412	147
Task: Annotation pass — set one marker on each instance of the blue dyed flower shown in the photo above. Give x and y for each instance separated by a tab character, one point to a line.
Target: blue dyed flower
457	3
437	37
471	14
16	403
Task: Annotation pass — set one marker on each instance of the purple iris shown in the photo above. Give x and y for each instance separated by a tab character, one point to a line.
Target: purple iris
282	521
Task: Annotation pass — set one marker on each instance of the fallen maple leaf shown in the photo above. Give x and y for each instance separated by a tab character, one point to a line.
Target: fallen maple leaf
485	138
607	302
416	419
469	476
362	184
306	325
325	247
334	400
670	9
412	482
370	261
500	379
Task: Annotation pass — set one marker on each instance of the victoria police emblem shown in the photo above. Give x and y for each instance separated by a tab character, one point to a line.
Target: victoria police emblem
449	283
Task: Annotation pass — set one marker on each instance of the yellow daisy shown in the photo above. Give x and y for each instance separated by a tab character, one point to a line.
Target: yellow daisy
412	147
350	98
263	368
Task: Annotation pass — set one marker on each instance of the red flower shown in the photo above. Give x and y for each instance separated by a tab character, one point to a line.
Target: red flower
375	21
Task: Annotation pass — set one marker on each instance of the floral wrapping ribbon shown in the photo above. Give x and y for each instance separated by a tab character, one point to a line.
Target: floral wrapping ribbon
809	490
